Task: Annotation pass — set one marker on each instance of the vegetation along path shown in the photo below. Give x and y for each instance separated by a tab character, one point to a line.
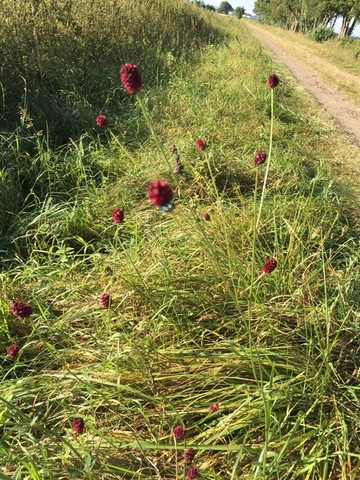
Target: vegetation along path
335	102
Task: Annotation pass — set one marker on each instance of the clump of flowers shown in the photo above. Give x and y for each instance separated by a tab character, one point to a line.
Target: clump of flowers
260	157
78	425
20	309
105	300
102	121
272	81
214	407
179	432
13	351
200	144
269	266
192	473
118	215
206	216
160	193
131	77
189	455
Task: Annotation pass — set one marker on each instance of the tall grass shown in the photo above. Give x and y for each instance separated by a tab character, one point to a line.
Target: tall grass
193	320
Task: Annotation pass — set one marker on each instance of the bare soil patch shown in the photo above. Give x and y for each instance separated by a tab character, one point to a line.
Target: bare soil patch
335	102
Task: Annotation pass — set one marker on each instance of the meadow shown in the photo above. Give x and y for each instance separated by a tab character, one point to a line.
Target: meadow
216	340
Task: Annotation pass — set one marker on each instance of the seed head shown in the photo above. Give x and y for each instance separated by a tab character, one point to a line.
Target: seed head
78	425
260	157
13	351
20	309
102	121
118	215
189	455
131	77
269	266
160	193
214	407
206	216
201	144
192	473
272	81
105	300
179	432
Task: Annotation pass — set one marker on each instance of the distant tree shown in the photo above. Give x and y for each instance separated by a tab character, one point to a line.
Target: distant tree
225	8
210	7
239	12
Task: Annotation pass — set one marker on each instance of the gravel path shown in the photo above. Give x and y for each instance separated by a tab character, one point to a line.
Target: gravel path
333	101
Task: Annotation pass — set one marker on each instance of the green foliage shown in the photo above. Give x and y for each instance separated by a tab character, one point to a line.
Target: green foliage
239	12
225	8
321	33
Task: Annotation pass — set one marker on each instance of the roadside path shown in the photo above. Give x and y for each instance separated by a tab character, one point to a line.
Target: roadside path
334	102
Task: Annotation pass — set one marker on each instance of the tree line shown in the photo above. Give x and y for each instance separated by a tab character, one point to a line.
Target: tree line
305	15
224	7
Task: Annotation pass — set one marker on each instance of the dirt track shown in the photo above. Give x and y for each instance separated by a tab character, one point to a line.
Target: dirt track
333	101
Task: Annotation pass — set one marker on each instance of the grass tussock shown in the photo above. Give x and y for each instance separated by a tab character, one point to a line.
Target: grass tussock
193	320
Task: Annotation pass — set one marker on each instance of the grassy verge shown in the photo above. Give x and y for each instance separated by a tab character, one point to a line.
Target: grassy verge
193	322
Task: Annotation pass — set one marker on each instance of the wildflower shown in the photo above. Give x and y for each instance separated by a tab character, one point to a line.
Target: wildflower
206	216
78	425
118	215
272	81
269	266
13	351
179	432
214	407
189	455
201	144
260	157
192	473
105	300
20	309
160	193
131	77
102	121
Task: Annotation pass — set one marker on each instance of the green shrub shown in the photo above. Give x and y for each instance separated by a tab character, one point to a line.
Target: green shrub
321	33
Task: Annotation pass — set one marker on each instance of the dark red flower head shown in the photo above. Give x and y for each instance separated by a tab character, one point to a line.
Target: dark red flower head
272	81
269	266
13	351
105	300
118	215
192	473
206	216
201	144
78	425
260	157
214	407
20	309
179	432
102	121
160	193
189	455
131	77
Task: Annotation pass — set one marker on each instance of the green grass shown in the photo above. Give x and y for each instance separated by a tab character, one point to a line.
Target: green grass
193	321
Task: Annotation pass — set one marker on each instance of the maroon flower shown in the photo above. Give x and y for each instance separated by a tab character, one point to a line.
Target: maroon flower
201	144
131	77
20	309
214	407
269	266
105	300
189	455
160	193
260	157
118	215
78	425
13	351
179	432
102	121
272	81
192	473
206	216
